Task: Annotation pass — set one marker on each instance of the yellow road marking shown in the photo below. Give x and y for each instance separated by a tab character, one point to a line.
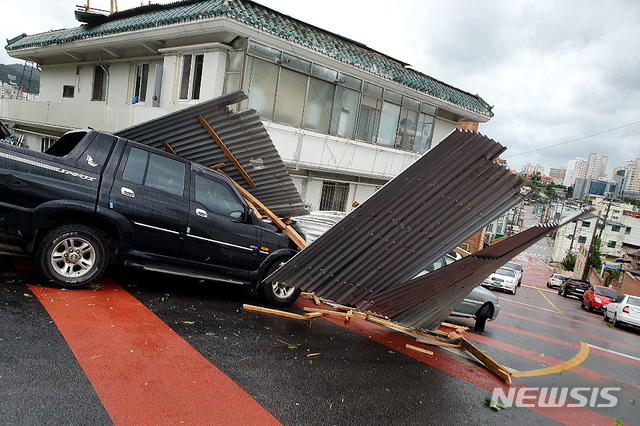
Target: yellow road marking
551	303
576	360
536	288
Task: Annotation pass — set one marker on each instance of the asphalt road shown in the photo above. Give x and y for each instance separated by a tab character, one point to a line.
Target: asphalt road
144	348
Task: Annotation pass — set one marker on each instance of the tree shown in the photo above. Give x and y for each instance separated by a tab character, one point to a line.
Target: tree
570	192
569	262
596	261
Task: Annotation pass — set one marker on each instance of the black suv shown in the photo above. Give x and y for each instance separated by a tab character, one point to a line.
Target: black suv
94	197
573	286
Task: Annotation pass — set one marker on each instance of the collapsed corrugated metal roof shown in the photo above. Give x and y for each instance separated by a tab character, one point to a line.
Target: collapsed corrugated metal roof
426	301
245	136
317	223
441	200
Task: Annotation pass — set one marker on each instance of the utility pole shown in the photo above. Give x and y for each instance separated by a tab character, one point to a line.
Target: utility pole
575	230
587	263
606	216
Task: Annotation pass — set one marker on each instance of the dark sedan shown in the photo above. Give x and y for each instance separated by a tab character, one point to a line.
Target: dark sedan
573	287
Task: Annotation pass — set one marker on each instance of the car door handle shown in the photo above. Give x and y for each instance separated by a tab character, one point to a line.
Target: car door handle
127	192
201	213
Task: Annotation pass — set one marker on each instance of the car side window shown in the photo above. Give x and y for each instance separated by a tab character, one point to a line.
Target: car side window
215	196
154	171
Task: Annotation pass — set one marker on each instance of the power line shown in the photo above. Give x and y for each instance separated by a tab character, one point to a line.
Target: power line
574	140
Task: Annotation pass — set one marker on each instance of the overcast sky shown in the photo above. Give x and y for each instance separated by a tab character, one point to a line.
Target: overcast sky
554	70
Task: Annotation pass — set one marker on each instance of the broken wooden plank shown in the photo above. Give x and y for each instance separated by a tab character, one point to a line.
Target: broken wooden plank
455	326
226	151
418	349
168	147
437	343
313	354
336	313
260	309
218	166
492	364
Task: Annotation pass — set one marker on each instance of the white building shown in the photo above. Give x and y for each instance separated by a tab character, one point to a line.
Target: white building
621	231
344	118
530	168
594	167
558	174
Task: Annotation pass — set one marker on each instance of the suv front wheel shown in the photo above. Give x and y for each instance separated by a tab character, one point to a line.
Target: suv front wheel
276	293
71	255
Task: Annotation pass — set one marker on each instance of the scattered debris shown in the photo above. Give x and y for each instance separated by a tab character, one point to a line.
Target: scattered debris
188	322
28	295
313	354
494	404
418	349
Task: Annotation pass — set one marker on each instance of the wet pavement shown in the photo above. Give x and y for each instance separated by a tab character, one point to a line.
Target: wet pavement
143	348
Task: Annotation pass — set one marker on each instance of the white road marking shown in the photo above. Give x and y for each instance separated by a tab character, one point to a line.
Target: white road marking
614	352
526	304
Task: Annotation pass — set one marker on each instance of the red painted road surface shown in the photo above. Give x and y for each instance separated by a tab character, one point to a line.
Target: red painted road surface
142	371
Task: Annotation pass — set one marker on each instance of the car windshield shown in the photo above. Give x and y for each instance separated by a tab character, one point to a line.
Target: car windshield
505	271
512	265
633	301
606	292
559	277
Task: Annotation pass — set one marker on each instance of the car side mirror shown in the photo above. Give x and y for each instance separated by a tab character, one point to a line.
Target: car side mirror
236	216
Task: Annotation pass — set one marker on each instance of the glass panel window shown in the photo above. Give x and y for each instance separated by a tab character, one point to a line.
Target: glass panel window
372	89
410	102
265	52
345	108
100	78
392	96
290	101
388	124
68	91
324	73
235	59
407	129
317	114
296	63
352	82
615	228
191	77
232	82
611	244
165	174
370	110
429	109
424	133
186	71
586	224
261	78
140	88
216	197
136	166
628	230
582	240
334	196
197	77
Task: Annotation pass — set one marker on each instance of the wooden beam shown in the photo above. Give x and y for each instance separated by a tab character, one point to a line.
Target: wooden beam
492	364
252	308
295	237
218	166
418	349
355	314
168	147
226	151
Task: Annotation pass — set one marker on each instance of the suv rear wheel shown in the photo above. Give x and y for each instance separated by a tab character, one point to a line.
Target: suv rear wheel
275	293
71	255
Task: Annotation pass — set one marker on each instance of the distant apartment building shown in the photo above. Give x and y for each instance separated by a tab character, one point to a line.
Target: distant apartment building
344	118
530	168
558	174
628	177
621	232
594	167
583	188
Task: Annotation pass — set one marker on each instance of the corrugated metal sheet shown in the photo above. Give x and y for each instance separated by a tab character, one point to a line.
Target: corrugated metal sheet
426	301
245	136
317	223
441	200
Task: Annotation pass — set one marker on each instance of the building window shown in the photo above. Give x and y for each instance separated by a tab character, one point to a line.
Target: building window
46	143
191	77
611	244
628	230
582	239
290	90
233	72
615	228
334	196
68	91
140	88
100	79
586	224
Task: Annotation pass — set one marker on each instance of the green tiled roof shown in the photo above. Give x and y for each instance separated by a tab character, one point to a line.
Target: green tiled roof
268	20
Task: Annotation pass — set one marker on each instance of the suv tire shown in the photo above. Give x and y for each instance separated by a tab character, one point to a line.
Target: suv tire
276	294
71	256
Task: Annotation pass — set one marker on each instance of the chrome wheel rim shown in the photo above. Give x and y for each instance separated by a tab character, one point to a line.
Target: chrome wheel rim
73	257
282	291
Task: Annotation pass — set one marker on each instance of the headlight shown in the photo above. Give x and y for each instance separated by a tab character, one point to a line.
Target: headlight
598	300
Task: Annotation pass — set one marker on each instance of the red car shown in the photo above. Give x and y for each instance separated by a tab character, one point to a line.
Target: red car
597	297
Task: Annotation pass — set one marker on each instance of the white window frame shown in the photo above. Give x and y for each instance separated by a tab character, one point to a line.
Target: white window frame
189	96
